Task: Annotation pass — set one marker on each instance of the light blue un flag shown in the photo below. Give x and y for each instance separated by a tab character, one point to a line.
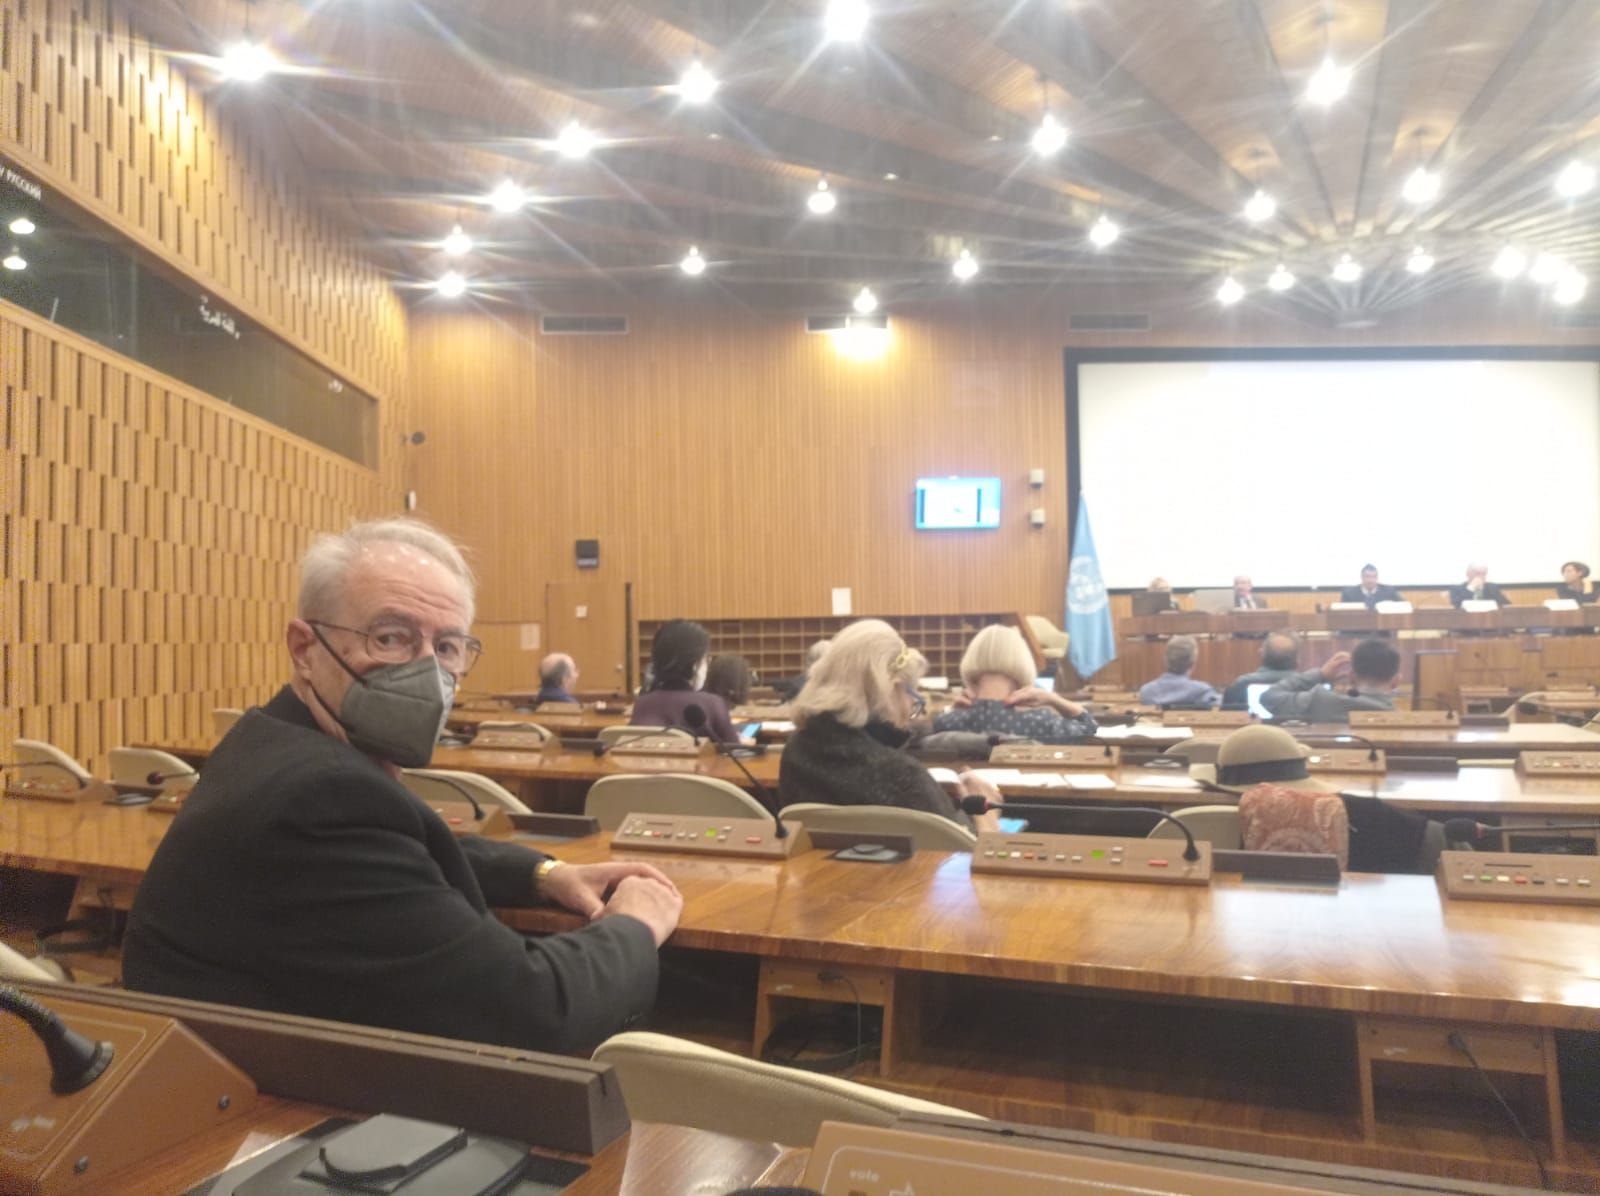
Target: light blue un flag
1093	644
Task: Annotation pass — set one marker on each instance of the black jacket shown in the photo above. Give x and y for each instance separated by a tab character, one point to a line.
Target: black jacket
826	761
300	877
1491	592
1382	594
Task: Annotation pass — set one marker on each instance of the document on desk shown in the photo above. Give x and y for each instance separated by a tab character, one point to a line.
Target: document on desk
1167	782
1016	778
778	726
944	776
1146	731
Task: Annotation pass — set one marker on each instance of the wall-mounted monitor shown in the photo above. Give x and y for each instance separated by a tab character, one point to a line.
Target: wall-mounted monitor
958	502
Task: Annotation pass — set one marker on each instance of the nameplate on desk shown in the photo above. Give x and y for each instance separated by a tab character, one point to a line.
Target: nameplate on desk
1347	760
1394	608
63	789
1480	606
1559	764
519	736
1091	857
696	835
1078	755
662	745
1403	718
1206	718
1528	878
1561	604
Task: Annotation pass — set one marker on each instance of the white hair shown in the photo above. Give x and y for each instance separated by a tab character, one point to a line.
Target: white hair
326	563
814	653
999	649
856	678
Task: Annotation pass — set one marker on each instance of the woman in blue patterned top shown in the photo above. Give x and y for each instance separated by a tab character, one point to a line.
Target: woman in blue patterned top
998	672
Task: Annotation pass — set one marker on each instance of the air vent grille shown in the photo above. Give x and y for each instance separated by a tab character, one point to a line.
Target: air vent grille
839	323
1111	322
583	325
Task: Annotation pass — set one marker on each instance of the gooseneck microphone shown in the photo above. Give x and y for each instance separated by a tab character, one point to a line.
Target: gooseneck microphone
695	715
978	804
600	749
75	1061
1469	830
83	782
1292	724
159	778
477	810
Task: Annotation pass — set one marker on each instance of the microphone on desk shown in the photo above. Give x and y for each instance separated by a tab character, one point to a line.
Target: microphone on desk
83	782
477	810
75	1061
600	749
159	778
1469	830
1341	737
978	804
695	715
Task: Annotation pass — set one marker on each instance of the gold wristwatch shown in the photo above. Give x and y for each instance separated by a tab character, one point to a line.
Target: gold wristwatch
542	873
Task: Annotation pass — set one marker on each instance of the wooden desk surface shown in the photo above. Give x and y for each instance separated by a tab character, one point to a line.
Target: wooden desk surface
587	722
1462	742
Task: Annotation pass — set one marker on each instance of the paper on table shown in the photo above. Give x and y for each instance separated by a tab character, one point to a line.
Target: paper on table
1145	731
1167	782
944	776
1088	780
777	726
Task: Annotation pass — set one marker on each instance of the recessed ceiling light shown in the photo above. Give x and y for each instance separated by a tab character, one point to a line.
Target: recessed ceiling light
1259	207
890	176
14	261
822	201
1510	262
866	302
1420	261
1049	138
1576	178
1104	231
1421	186
508	197
451	285
1329	84
1571	288
693	264
1546	268
697	84
574	141
1230	292
964	267
22	226
246	62
457	243
1346	269
846	20
1280	279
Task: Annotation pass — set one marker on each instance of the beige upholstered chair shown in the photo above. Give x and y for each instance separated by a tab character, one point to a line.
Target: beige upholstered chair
31	752
1217	825
1196	751
610	735
670	1080
928	832
446	784
14	965
532	731
1052	640
223	718
611	799
133	766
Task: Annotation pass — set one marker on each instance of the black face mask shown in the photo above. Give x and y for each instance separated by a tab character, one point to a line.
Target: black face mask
396	711
888	734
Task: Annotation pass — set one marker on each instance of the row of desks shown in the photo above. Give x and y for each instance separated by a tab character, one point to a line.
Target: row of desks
1358	622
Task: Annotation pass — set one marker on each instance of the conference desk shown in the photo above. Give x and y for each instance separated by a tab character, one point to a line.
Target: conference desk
1461	743
586	723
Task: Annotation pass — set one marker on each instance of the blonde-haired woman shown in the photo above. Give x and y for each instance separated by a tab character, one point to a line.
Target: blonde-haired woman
852	719
998	672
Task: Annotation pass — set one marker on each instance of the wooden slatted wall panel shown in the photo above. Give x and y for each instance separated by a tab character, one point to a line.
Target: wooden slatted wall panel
150	531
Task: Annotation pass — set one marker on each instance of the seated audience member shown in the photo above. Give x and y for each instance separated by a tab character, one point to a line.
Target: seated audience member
789	687
1477	587
1175	687
1279	653
999	672
302	877
678	663
1575	583
1374	666
729	678
1160	585
1369	591
557	672
1244	596
852	723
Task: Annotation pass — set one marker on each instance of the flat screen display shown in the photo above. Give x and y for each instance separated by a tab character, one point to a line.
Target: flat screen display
944	503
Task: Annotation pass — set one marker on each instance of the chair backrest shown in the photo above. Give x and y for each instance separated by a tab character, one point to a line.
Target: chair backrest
223	718
1217	825
14	965
134	766
611	799
609	735
446	784
1047	633
928	832
28	752
1196	751
529	731
677	1082
1281	818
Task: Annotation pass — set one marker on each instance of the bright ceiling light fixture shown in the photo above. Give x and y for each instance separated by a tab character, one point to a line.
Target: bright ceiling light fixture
451	285
1547	268
1259	207
866	302
1103	232
1280	279
1421	186
1346	269
1570	288
697	84
1050	137
1420	261
14	261
693	264
457	243
964	267
574	141
22	226
846	20
1576	178
822	201
1330	84
1230	292
1510	262
508	197
247	62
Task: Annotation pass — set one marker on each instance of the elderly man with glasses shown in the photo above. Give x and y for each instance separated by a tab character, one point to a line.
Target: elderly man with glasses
302	877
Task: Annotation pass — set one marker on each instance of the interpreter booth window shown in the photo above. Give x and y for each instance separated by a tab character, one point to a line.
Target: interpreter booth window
74	271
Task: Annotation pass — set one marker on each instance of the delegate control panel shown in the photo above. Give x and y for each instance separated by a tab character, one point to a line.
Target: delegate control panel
707	836
1092	857
1515	876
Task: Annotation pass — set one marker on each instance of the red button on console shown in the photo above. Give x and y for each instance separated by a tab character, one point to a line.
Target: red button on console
1521	880
752	838
1157	863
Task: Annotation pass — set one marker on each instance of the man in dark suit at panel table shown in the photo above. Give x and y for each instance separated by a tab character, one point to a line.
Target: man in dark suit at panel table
1369	591
301	876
